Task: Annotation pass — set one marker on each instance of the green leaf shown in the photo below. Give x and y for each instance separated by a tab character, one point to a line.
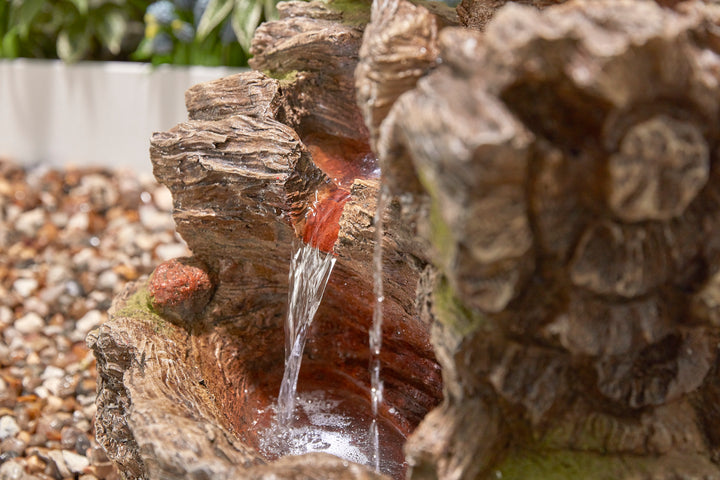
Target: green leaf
245	19
111	28
215	13
63	14
144	50
73	43
23	16
270	10
82	6
4	17
10	48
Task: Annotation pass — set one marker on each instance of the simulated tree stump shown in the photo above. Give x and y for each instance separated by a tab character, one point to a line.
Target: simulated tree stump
550	251
193	358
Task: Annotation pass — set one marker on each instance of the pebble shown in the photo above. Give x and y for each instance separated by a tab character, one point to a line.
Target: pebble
29	323
29	223
25	286
13	444
8	427
6	315
90	320
75	462
12	470
69	241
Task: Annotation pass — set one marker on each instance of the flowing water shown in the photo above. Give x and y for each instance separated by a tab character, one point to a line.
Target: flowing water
376	384
309	273
320	420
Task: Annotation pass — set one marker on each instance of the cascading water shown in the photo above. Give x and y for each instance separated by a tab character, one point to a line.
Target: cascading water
376	384
333	421
309	273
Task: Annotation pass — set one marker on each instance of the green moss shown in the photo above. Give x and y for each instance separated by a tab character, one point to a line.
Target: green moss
452	313
596	432
441	237
568	465
138	307
354	12
283	77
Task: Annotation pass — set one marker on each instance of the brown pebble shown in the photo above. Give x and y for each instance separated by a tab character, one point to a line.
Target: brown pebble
35	464
180	288
128	272
24	436
13	444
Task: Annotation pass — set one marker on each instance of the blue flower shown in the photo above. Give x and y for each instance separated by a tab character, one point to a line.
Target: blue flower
162	12
162	44
183	31
184	4
199	9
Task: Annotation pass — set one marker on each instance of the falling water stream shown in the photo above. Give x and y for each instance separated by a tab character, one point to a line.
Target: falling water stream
309	273
376	384
329	421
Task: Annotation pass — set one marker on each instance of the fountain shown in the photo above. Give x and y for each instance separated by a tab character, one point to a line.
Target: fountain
572	307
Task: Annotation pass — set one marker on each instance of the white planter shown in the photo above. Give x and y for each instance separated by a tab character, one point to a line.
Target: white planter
94	113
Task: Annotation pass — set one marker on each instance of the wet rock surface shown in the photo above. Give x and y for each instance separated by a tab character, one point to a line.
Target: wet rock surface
69	241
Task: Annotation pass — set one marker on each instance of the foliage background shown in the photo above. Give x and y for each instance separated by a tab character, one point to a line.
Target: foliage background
182	32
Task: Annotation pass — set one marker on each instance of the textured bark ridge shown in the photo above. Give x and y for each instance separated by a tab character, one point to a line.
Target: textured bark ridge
192	360
570	158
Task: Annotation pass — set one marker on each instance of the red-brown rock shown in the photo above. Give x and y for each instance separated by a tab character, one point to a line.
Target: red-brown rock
180	288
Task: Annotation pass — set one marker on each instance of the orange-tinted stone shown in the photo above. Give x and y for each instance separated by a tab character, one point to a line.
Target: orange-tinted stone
180	288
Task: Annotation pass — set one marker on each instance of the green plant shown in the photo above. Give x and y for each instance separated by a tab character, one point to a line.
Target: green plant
183	32
207	32
70	29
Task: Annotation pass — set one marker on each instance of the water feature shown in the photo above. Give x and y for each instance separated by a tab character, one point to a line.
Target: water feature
333	420
309	273
375	340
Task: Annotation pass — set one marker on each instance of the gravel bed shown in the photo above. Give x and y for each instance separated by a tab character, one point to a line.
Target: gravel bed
69	241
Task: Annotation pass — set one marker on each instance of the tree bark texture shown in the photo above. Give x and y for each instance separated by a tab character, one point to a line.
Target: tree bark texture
193	358
570	160
550	254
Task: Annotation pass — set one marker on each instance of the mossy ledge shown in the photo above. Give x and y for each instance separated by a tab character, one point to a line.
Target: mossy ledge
139	307
572	465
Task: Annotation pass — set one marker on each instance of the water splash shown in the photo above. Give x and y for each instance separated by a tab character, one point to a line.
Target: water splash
321	427
309	273
376	384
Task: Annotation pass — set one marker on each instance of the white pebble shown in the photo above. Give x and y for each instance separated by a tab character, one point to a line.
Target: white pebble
171	250
12	212
107	280
155	220
30	222
12	470
52	372
6	315
25	286
57	457
34	304
75	463
42	392
163	198
90	320
8	427
60	219
29	323
79	221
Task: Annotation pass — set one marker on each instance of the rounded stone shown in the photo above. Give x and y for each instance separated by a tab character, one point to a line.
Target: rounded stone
180	288
661	166
8	427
